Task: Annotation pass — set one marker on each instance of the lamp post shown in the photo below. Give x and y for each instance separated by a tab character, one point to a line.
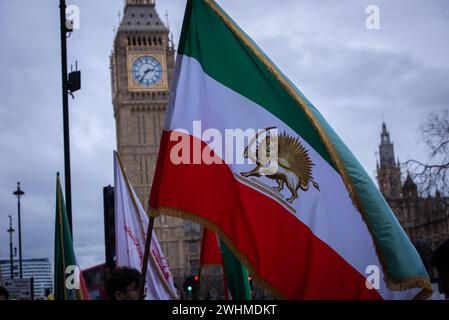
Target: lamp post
71	82
19	193
65	111
11	231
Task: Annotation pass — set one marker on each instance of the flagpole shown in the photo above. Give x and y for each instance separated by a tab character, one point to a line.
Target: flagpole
145	257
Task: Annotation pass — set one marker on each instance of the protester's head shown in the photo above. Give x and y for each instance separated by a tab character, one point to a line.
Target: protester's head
123	284
4	294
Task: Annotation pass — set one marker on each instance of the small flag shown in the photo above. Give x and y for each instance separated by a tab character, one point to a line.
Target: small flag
68	279
131	224
235	275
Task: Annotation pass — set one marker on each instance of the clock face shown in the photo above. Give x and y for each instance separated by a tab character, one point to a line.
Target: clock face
147	71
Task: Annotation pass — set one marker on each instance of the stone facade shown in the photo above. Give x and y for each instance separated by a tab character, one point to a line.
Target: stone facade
139	110
424	219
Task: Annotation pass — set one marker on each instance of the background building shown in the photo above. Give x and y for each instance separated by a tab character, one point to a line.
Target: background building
142	63
39	269
425	219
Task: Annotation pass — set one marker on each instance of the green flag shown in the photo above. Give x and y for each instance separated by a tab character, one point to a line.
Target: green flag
66	288
236	275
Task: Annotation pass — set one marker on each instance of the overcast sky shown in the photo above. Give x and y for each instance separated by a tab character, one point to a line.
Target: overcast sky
356	77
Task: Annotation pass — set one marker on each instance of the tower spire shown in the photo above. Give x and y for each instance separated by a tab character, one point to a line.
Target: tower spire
140	2
385	136
166	19
141	15
388	172
386	148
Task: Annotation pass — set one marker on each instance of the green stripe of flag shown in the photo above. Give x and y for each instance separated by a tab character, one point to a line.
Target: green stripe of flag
206	38
236	275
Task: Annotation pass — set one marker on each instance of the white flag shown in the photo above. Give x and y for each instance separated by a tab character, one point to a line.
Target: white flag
131	223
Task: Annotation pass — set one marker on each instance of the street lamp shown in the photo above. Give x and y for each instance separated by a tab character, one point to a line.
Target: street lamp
19	193
11	231
71	82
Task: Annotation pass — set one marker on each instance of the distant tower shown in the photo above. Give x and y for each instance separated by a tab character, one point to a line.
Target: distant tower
388	171
142	64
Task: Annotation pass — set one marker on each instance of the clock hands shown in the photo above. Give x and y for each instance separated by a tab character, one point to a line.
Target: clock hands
147	70
145	73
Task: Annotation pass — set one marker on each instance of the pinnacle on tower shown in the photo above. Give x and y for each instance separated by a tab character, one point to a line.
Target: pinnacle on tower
141	2
141	15
385	136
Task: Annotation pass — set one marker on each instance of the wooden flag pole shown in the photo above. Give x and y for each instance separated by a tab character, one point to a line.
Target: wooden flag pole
145	258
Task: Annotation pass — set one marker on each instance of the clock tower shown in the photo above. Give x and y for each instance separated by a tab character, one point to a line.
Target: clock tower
142	63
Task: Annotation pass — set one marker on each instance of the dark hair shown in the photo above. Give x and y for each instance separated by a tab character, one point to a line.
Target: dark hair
120	279
4	292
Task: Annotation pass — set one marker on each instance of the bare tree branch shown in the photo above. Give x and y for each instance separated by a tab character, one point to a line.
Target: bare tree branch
431	177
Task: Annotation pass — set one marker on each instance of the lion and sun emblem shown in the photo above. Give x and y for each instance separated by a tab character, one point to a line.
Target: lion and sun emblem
293	167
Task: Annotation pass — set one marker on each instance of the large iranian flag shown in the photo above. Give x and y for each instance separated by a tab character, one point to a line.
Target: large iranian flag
314	228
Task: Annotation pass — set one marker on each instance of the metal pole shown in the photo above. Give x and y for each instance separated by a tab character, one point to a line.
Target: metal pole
65	111
20	238
19	193
10	231
145	258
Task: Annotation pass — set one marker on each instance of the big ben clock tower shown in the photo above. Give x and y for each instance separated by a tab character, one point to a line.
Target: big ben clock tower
142	65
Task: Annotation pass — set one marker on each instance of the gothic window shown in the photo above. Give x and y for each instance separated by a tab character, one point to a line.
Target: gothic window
147	171
193	248
138	129
155	133
194	266
144	129
141	170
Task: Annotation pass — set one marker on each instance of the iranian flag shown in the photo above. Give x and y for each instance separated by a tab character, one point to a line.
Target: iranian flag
245	154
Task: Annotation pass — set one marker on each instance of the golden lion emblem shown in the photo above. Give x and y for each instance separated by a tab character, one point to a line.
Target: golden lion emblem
294	167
